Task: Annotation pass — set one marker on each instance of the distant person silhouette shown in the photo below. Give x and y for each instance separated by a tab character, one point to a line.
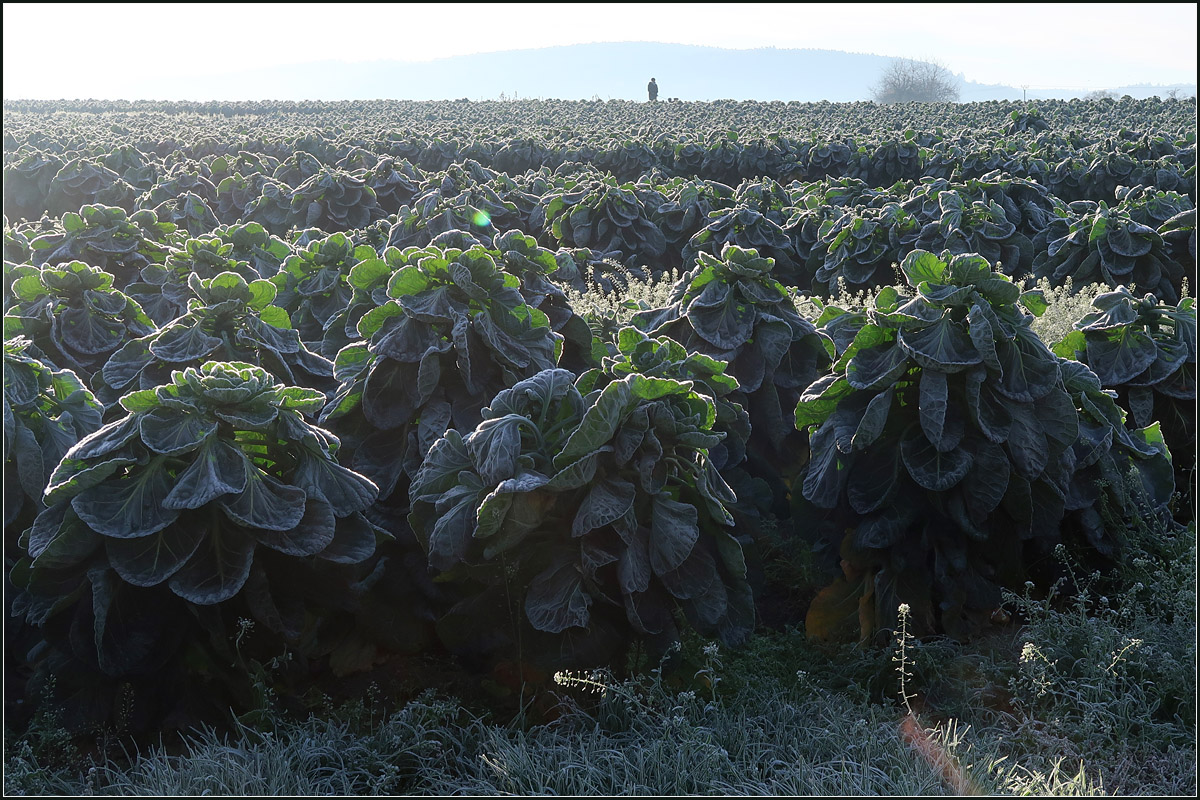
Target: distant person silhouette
652	88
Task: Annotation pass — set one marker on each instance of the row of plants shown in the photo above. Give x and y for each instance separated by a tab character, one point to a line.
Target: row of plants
39	181
453	486
465	128
821	234
1079	151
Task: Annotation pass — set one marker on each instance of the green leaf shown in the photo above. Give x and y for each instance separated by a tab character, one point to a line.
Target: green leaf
578	473
73	475
878	367
218	469
628	338
451	534
921	265
344	490
183	341
873	420
87	333
931	468
1035	301
942	346
276	317
653	388
1027	441
312	534
934	397
28	288
218	569
495	446
374	319
606	501
171	432
827	466
229	286
986	483
59	539
127	361
674	531
599	422
73	223
1028	369
368	273
719	317
265	503
150	560
873	480
297	398
557	600
883	529
1119	355
130	506
821	399
407	281
138	402
887	300
353	541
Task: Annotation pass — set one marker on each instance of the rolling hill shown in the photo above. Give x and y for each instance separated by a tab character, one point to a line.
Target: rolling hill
617	70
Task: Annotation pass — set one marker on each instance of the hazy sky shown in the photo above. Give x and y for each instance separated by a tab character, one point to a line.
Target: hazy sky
58	50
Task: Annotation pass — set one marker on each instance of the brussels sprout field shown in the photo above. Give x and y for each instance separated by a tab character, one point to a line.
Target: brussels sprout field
308	378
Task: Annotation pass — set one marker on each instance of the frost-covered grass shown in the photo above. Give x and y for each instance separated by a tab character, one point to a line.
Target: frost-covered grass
768	740
1091	694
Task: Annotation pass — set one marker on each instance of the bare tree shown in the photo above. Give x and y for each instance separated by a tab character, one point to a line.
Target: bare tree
908	81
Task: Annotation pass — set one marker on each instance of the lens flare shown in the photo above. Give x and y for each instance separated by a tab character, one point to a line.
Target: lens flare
481	219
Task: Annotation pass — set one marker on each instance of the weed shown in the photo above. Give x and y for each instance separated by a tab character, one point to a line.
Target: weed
1065	306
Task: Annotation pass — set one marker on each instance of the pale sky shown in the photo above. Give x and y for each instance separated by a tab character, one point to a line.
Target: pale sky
68	50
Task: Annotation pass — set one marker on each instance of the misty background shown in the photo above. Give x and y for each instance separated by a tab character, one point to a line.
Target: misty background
805	52
588	71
